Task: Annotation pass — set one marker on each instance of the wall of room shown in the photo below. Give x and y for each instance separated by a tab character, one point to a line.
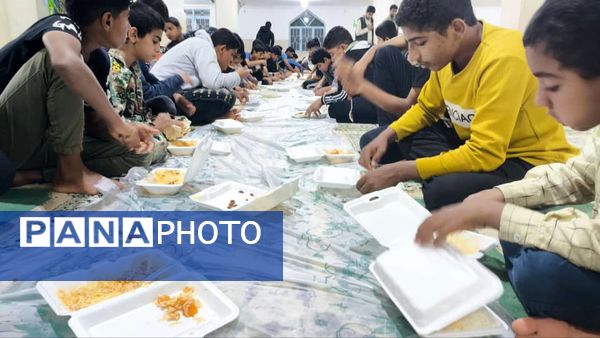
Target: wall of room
17	16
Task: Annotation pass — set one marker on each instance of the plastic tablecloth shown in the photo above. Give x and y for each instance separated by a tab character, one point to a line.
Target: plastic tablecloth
328	289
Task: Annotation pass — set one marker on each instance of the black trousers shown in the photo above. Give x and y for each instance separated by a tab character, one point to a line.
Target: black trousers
363	111
310	84
447	189
162	104
210	104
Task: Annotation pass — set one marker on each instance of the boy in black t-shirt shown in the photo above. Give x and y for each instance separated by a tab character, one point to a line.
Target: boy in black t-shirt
43	82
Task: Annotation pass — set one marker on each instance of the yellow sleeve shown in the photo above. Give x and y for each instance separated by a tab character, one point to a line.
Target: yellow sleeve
429	108
502	90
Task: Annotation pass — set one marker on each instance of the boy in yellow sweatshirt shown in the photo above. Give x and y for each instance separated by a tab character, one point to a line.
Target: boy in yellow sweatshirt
476	124
552	259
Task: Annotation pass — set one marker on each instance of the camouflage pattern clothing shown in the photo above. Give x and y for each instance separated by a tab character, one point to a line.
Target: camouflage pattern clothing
125	92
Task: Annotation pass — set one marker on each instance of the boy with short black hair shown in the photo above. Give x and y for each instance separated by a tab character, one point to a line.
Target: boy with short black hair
552	259
396	83
495	133
339	44
324	64
43	84
125	79
206	57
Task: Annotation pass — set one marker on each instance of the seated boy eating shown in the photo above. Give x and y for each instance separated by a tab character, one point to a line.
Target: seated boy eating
42	89
125	78
495	132
552	259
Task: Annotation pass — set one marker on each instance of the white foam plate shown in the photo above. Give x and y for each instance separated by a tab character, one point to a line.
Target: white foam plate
482	242
182	151
373	212
158	264
200	156
336	178
229	126
307	153
254	99
433	287
251	116
220	148
219	196
160	189
493	326
247	198
302	115
268	94
136	315
349	156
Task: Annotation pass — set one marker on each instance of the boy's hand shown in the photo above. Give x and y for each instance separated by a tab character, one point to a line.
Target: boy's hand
164	120
146	138
387	176
189	109
243	72
242	95
373	152
465	216
314	109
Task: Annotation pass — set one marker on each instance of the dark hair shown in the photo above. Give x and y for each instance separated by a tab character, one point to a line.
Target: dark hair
174	21
290	50
371	9
268	24
277	50
393	7
85	12
336	36
434	15
225	37
159	6
258	47
386	30
314	43
567	30
242	49
145	19
295	56
319	55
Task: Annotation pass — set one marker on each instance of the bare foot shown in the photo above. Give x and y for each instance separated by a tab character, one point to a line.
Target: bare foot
27	177
85	184
73	177
547	327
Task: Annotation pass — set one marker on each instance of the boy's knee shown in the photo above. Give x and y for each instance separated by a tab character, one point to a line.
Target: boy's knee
532	266
368	137
440	191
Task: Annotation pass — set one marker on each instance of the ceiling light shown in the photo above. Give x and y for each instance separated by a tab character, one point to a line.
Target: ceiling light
304	3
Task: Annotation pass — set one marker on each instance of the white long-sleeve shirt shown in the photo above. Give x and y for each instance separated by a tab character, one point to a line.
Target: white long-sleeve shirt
196	57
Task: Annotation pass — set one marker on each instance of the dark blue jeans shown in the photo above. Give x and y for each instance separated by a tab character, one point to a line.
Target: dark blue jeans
550	286
440	191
